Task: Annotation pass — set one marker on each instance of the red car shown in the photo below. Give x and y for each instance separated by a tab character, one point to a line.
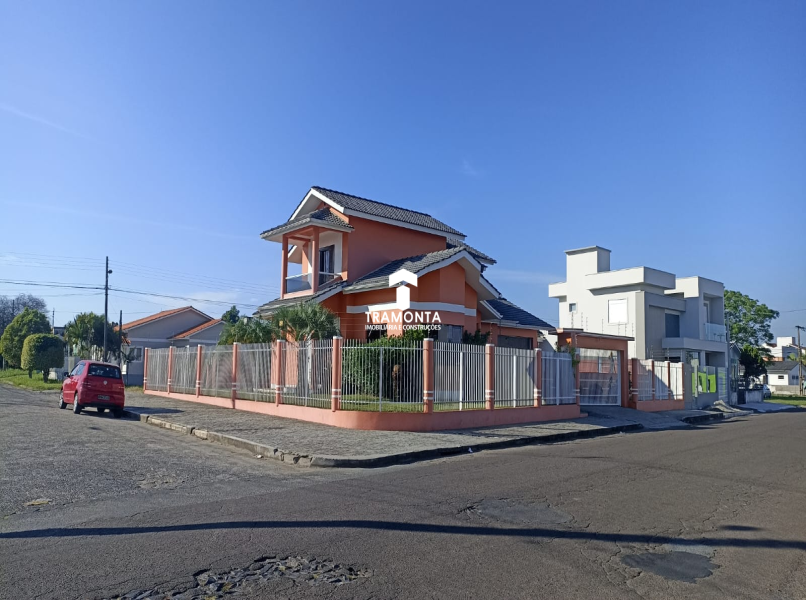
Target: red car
94	384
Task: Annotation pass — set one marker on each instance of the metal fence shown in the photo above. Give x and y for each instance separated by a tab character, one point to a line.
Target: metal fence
599	377
308	369
253	372
158	369
558	378
183	374
676	370
216	373
458	376
382	376
722	383
514	377
642	380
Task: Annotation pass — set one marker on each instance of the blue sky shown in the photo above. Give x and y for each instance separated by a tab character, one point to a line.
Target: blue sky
168	135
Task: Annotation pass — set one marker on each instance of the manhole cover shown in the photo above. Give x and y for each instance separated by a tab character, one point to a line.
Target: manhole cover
680	566
518	512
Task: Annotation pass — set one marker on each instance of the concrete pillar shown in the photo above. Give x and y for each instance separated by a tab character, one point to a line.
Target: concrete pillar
170	367
335	389
278	371
199	362
145	370
284	268
234	393
635	365
489	377
428	375
669	380
538	373
315	261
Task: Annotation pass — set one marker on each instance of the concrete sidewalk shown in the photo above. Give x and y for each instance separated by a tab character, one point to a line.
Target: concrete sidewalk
310	444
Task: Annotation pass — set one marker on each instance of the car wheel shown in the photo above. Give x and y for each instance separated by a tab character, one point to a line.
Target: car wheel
76	405
62	403
101	410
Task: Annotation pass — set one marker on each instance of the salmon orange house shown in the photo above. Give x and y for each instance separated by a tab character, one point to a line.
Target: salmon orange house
344	249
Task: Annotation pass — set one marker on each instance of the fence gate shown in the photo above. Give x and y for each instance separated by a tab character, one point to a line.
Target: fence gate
599	377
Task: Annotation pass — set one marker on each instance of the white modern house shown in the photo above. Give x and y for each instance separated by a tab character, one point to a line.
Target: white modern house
782	373
681	319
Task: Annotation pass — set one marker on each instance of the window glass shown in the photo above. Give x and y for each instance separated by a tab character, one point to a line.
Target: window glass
617	311
77	369
108	371
672	325
572	307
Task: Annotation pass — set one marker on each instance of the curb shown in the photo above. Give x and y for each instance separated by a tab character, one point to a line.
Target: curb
695	419
369	462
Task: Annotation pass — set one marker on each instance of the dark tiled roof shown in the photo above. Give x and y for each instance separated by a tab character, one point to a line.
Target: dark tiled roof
511	312
321	216
387	211
781	366
269	307
476	253
380	277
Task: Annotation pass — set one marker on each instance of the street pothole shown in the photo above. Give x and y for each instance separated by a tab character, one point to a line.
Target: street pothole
677	565
518	512
245	582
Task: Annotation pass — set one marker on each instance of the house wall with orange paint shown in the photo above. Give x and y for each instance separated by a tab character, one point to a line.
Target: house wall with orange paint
496	330
373	244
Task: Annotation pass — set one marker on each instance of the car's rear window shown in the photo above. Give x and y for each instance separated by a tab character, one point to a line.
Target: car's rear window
104	371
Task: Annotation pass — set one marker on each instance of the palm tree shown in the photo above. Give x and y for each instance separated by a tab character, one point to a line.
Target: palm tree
306	321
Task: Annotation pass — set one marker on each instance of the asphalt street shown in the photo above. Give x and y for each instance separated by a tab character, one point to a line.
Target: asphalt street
96	507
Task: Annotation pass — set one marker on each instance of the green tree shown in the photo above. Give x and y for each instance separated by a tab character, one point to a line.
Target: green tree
87	330
232	316
306	321
28	322
252	331
11	307
749	319
752	358
42	352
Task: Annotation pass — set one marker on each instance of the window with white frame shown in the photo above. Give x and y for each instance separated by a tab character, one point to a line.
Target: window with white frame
617	311
572	307
137	353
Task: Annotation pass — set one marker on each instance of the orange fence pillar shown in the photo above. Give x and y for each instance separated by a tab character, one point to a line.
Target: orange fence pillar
145	370
538	376
278	371
199	362
489	377
234	393
335	387
428	375
635	366
170	367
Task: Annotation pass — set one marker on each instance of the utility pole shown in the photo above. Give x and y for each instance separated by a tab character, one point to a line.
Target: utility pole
120	340
800	360
53	322
107	272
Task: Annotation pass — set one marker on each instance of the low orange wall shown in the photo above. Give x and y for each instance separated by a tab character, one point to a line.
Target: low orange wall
388	421
659	405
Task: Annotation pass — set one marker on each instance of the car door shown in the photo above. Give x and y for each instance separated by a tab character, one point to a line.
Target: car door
71	382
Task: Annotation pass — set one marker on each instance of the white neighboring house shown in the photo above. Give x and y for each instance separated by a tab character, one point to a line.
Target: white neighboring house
783	348
180	327
673	318
782	372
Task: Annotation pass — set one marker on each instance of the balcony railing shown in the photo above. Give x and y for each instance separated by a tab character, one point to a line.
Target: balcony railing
715	332
302	282
298	283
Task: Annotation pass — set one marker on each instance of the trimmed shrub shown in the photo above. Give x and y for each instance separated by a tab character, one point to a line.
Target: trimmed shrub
401	372
28	322
42	352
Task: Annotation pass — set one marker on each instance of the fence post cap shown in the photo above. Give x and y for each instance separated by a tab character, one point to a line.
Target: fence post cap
337	337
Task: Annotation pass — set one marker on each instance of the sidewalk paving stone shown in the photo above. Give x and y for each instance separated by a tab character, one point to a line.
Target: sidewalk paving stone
323	445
